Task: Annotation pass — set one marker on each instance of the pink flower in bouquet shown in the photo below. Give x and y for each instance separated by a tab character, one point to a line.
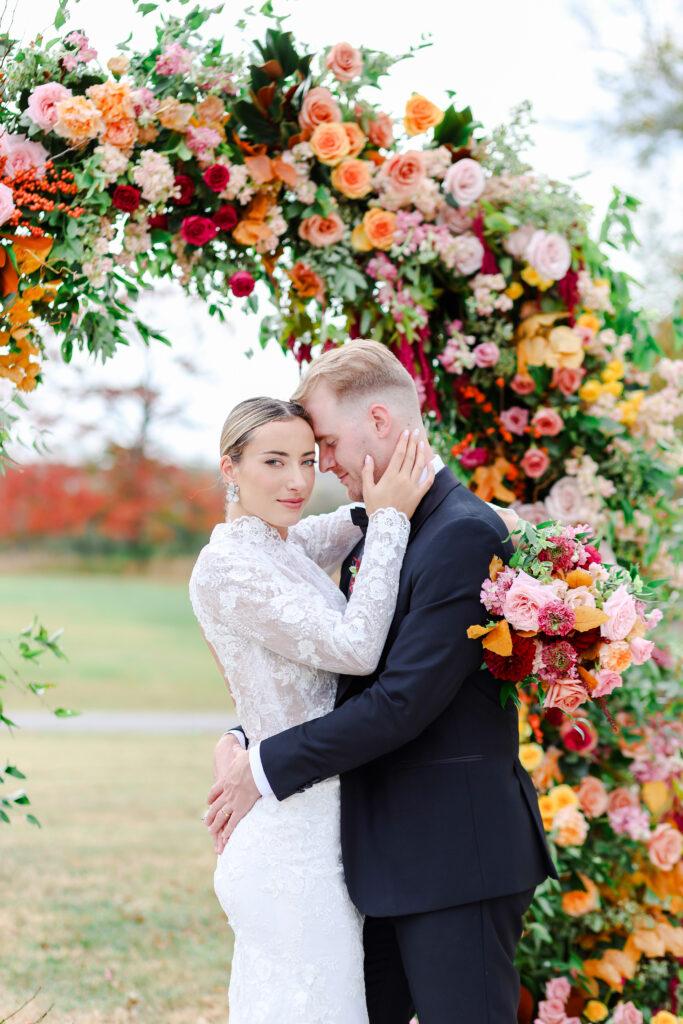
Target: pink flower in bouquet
630	821
21	154
322	231
202	140
7	206
592	795
318	106
558	988
523	384
493	591
405	171
653	619
641	650
524	600
241	283
175	60
567	380
42	104
567	695
345	62
594	556
607	683
627	1013
621	608
198	230
551	1011
665	847
559	551
515	419
465	181
549	255
535	463
517	241
470	458
457	221
556	619
580	597
469	256
547	422
557	659
487	354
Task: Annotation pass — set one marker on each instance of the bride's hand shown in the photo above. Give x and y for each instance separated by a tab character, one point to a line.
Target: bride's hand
399	486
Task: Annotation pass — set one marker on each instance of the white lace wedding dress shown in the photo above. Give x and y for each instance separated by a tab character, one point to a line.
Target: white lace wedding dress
282	630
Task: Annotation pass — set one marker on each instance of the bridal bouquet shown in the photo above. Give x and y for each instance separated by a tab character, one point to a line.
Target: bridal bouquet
563	620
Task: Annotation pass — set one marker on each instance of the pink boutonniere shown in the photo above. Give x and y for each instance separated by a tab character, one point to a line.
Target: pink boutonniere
353	571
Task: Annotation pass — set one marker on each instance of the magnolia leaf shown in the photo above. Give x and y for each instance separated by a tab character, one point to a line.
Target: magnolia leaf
578	578
499	640
589	618
495	567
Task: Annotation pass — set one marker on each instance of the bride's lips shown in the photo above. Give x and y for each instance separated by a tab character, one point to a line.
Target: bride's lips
293	503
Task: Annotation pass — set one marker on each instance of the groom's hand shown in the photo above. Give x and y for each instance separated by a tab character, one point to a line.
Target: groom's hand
231	797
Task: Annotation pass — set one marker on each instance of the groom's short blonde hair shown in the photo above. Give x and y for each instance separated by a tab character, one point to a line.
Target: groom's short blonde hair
356	369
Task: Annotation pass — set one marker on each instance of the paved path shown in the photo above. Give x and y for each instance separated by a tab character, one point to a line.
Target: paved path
168	723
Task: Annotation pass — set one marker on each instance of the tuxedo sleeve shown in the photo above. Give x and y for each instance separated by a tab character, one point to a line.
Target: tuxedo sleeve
429	659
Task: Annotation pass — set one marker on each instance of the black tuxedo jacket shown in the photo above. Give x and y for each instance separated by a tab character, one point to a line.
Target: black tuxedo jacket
436	809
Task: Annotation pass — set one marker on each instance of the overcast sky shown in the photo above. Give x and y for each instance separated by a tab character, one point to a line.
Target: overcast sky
494	54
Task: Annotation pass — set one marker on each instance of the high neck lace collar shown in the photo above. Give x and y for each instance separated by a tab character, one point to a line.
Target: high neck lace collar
250	528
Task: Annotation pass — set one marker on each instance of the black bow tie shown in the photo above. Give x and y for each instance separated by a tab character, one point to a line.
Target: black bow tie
359	517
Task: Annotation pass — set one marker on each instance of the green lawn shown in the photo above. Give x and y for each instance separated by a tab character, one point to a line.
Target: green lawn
109	909
132	643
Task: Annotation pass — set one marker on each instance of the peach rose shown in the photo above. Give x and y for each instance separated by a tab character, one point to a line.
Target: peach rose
465	181
120	133
113	100
405	172
306	282
345	62
318	107
352	178
616	657
547	422
567	381
534	463
665	847
592	796
621	797
78	120
380	227
581	901
607	682
621	608
322	231
42	104
381	131
567	695
330	143
175	115
355	136
571	827
421	115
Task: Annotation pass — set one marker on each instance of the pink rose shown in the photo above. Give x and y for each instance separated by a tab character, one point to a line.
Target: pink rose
665	847
344	61
621	608
620	798
22	154
592	796
524	600
535	513
380	129
486	354
558	988
567	695
607	682
405	172
549	255
473	457
321	231
468	253
547	422
565	501
535	463
567	381
551	1011
523	384
457	221
465	181
515	419
627	1013
516	242
241	283
6	203
641	650
318	107
42	104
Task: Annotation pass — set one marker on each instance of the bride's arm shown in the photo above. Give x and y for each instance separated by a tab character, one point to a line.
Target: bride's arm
327	539
510	518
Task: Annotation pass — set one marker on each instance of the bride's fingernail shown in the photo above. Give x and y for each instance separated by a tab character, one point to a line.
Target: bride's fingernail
416	431
367	459
406	433
422	444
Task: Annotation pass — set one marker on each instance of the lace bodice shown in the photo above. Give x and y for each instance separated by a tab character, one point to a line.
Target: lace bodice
280	627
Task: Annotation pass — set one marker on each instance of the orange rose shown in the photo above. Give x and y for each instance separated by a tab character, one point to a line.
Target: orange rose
581	901
355	136
665	847
211	113
592	796
78	120
615	656
175	115
318	107
113	100
321	231
571	826
352	178
549	770
121	133
306	282
545	806
421	115
380	227
330	143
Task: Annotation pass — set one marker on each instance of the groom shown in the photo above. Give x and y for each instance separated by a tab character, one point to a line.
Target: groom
442	840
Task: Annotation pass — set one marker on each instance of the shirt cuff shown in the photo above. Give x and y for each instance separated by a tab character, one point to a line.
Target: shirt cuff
239	736
260	778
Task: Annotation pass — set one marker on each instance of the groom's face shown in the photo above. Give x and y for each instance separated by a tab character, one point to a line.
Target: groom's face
344	436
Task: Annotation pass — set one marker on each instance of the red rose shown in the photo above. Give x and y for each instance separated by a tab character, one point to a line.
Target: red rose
518	665
198	230
186	185
216	177
241	283
553	716
225	218
126	198
159	220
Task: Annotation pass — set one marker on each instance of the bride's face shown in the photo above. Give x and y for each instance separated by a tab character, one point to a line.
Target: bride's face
276	473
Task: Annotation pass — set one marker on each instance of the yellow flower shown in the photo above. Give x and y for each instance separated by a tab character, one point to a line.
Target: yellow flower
514	290
655	796
614	387
563	796
595	1011
590	391
613	371
628	413
664	1017
531	755
533	278
118	65
547	809
590	321
359	239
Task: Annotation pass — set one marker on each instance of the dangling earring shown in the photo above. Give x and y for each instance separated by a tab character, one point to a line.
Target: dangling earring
233	491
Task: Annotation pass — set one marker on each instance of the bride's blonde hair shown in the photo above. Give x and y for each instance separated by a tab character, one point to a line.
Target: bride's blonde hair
242	422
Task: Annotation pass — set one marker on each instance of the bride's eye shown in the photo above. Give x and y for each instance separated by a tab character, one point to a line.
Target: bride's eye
273	462
309	462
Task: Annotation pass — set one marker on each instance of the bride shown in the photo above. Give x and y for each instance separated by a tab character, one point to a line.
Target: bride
281	631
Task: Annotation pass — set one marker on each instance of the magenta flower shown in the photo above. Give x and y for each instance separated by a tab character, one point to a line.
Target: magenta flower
558	660
556	619
473	457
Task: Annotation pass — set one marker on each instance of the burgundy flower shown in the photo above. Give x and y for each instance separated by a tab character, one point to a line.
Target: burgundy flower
225	218
126	198
473	457
186	185
241	283
198	230
216	177
556	619
553	716
583	641
159	220
518	665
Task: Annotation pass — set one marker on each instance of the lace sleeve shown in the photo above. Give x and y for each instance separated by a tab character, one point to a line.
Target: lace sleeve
327	539
257	600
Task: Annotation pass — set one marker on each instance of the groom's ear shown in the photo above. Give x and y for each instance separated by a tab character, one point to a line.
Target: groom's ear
381	420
